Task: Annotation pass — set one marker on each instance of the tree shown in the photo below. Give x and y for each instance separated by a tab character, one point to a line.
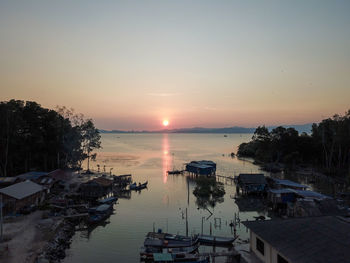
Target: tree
90	140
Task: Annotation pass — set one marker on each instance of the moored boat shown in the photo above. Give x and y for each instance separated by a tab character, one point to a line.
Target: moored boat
108	200
166	240
99	213
187	258
134	186
177	252
216	240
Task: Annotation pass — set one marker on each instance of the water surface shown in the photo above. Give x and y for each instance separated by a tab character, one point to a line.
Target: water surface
148	157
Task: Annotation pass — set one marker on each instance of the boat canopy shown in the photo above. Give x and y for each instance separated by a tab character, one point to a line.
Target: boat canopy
163	257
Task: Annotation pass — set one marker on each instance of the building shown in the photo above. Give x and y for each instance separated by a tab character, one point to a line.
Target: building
7	181
301	240
203	167
283	183
21	195
251	183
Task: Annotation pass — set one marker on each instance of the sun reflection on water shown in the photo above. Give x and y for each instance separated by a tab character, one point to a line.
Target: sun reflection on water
166	157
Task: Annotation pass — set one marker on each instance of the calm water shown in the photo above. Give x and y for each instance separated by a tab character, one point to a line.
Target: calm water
148	157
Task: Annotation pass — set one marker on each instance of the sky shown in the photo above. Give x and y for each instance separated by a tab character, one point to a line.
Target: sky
133	64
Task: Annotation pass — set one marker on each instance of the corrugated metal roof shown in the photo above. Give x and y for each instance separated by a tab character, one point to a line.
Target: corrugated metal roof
307	240
31	175
281	191
310	194
7	179
21	190
288	183
252	178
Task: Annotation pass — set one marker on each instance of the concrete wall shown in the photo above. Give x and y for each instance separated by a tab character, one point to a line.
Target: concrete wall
270	253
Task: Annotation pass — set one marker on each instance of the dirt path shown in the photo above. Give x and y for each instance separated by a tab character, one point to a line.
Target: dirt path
24	239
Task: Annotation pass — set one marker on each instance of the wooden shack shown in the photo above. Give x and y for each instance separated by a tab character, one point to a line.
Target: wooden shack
251	183
203	167
21	195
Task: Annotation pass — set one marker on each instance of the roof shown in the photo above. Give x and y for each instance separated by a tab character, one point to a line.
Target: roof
310	194
288	183
282	191
103	181
60	175
31	175
21	190
310	239
252	178
8	179
203	163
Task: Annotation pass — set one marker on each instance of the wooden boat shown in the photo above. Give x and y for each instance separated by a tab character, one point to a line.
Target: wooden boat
99	213
216	240
108	200
186	258
166	240
177	252
134	186
175	172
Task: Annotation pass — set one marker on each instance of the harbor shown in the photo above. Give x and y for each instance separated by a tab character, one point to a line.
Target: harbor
146	213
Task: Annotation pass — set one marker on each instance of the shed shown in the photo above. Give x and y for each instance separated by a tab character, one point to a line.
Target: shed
22	194
251	183
301	240
203	167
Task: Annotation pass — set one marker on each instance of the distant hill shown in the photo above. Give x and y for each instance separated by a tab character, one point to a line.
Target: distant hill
236	129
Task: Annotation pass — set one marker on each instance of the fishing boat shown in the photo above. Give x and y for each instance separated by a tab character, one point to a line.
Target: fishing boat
134	186
188	258
155	239
175	172
108	200
177	252
216	240
99	213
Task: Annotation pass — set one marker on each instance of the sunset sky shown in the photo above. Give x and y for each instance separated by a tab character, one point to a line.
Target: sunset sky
133	64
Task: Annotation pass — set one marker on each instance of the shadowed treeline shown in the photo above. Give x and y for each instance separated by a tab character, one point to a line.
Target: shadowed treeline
327	147
35	138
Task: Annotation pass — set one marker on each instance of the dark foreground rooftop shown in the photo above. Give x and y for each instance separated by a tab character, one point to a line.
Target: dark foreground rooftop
312	239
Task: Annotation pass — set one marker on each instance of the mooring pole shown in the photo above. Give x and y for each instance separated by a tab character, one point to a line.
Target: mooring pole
186	223
1	228
202	224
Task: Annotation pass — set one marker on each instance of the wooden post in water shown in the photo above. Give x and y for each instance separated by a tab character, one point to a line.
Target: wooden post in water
186	223
1	228
202	224
210	229
154	227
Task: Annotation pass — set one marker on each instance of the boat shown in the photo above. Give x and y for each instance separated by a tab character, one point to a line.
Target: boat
216	240
188	258
177	252
108	200
175	172
99	213
166	240
134	186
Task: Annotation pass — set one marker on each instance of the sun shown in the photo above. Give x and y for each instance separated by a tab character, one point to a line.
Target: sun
165	123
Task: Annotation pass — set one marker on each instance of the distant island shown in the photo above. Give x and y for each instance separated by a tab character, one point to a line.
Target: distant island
235	129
